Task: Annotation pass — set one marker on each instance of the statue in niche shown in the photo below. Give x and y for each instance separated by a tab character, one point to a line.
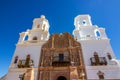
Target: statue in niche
47	61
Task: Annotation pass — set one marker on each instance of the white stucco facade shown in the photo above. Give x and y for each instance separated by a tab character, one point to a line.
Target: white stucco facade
92	38
29	43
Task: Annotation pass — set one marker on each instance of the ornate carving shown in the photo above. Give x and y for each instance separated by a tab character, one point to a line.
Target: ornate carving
45	75
60	51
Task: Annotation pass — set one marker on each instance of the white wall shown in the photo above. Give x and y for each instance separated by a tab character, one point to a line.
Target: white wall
23	51
13	74
110	72
102	47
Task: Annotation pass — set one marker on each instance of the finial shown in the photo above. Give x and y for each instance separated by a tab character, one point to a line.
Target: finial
42	16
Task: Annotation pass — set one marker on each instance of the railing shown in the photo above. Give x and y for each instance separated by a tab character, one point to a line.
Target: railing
99	61
57	62
25	64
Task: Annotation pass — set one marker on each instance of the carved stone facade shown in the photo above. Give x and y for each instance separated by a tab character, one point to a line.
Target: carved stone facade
61	56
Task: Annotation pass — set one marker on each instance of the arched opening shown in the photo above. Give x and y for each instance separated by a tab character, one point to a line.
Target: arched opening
61	78
38	26
35	38
27	61
26	38
84	22
97	33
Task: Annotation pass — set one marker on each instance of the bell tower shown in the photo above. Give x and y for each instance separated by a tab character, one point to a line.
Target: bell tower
39	31
28	50
86	56
97	52
84	30
82	20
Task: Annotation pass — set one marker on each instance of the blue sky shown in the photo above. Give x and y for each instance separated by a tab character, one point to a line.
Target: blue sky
17	15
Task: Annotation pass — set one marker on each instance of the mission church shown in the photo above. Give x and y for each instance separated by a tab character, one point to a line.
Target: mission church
85	55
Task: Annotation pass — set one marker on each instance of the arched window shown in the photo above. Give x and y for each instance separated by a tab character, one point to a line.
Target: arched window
84	22
61	78
27	61
16	59
97	33
100	75
35	38
96	58
109	56
26	38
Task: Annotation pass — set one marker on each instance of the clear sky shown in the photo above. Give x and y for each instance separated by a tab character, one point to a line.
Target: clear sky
17	15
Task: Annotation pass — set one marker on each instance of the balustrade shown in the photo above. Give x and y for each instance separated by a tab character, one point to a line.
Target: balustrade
25	64
99	61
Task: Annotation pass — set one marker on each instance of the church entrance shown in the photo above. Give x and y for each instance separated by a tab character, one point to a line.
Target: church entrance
61	78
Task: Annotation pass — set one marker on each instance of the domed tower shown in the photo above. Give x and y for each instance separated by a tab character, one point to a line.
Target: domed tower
98	55
86	56
84	30
39	32
28	51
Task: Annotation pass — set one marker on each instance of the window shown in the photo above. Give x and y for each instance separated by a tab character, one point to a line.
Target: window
61	57
27	61
38	26
96	60
16	59
97	33
84	22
